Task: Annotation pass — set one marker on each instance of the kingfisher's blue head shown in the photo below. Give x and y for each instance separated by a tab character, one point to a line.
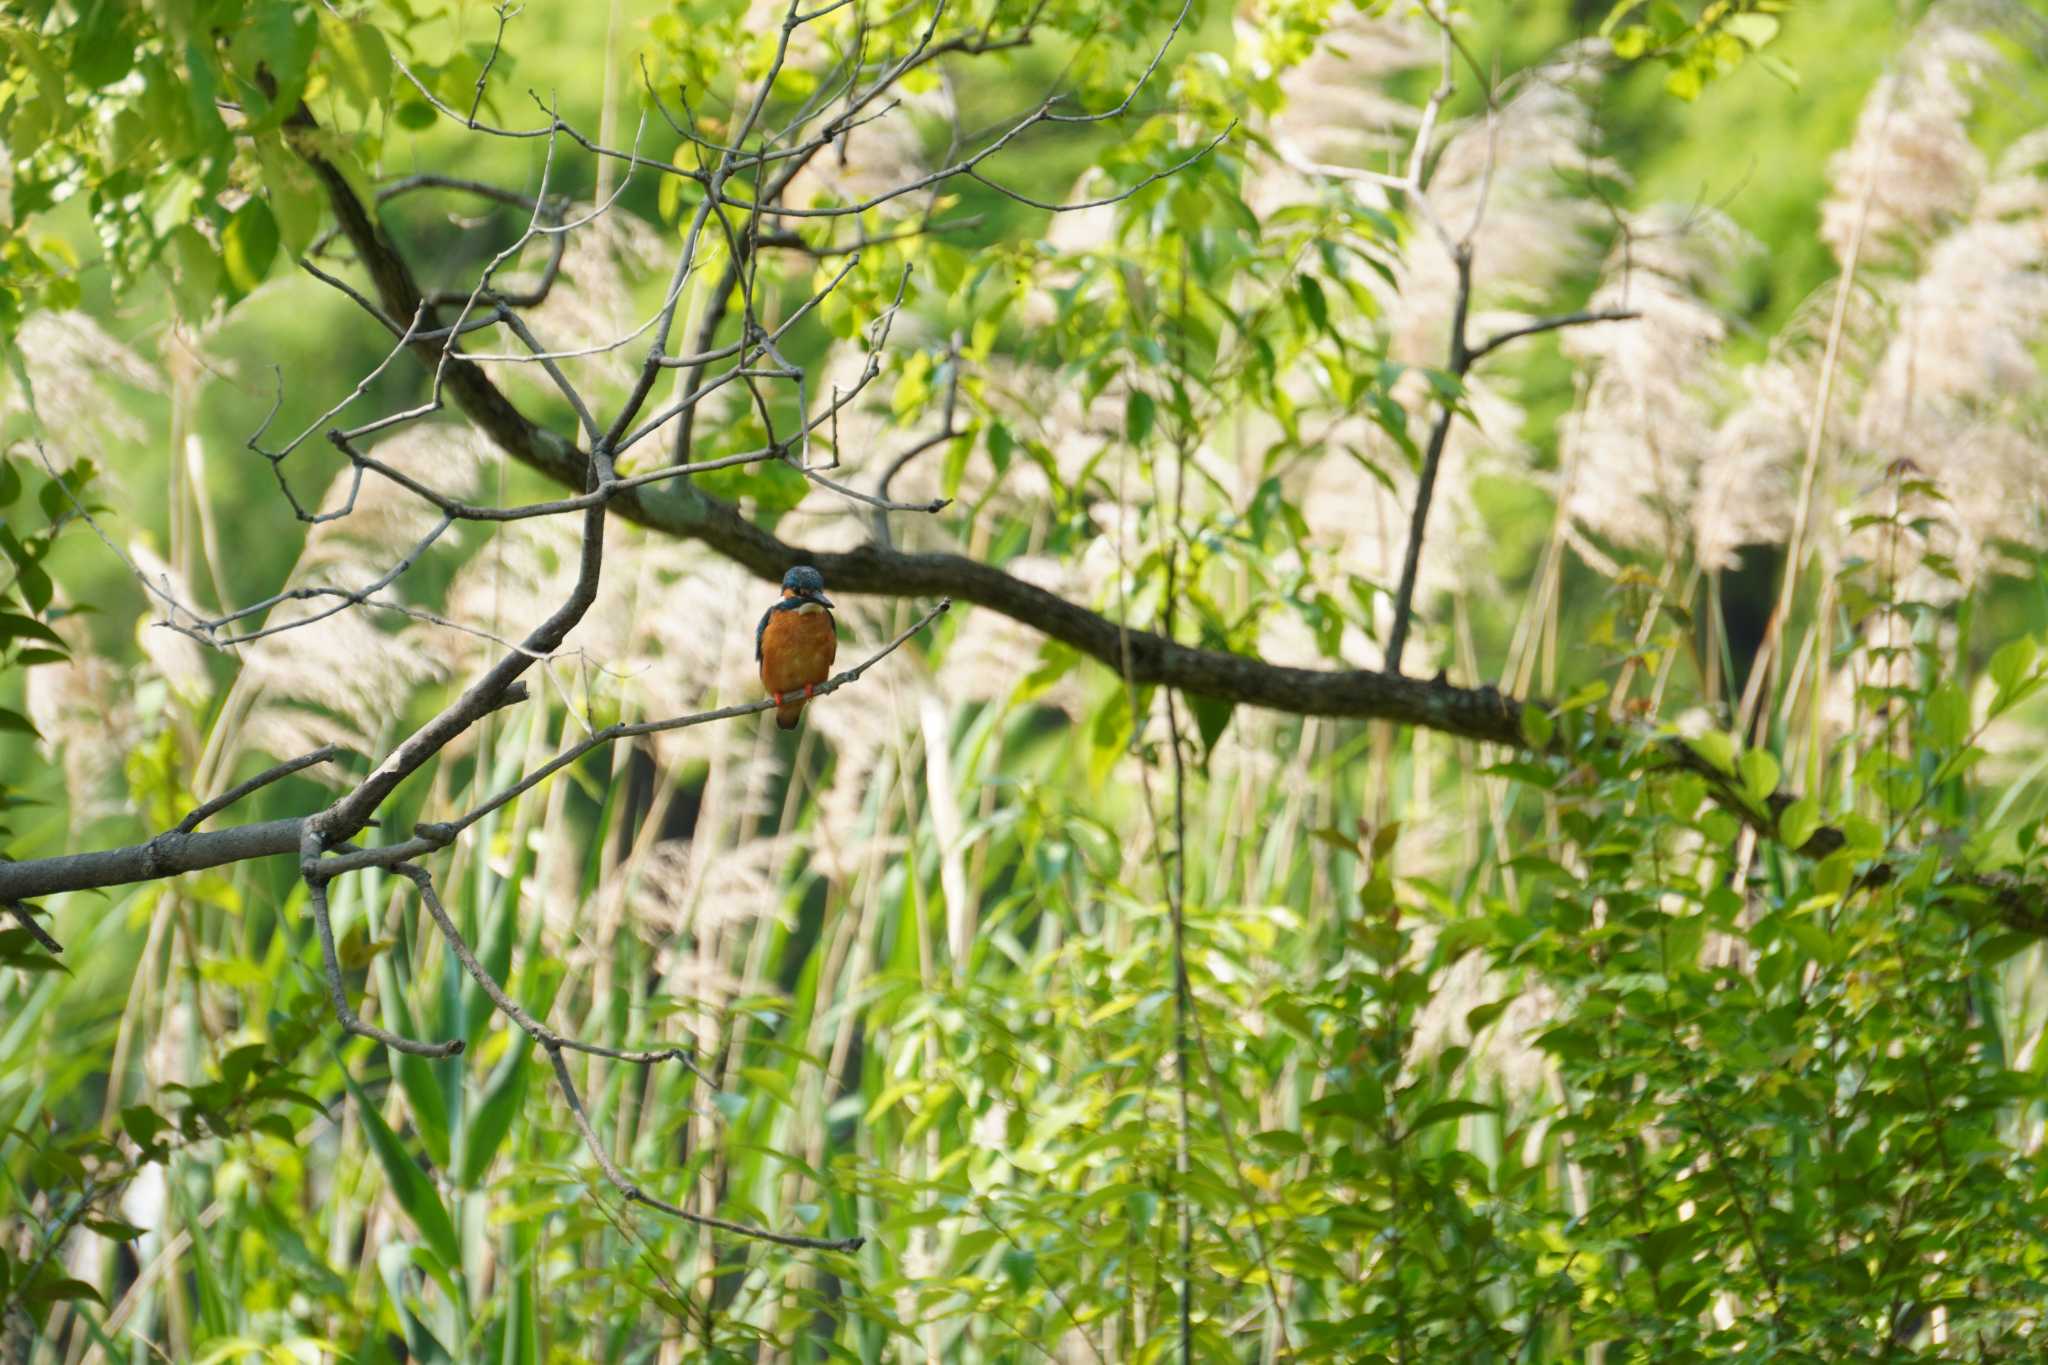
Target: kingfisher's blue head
805	584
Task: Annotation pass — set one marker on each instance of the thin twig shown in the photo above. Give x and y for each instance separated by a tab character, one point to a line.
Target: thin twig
1552	324
430	836
263	779
635	1194
512	1009
36	931
337	993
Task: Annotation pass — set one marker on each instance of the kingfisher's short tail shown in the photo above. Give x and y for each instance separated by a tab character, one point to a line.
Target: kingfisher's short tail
786	716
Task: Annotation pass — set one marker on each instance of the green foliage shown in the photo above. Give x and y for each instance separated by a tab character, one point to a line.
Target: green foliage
29	529
1678	1036
1709	43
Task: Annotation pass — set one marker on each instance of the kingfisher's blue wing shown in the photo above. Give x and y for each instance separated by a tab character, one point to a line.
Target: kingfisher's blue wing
760	631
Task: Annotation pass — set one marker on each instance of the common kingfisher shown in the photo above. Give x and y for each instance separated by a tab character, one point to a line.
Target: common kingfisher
796	642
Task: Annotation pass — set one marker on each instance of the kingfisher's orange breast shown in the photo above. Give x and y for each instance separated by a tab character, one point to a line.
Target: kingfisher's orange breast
797	649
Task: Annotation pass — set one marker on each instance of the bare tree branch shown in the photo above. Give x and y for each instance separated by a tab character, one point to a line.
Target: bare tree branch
554	1044
1552	324
1149	658
337	993
27	920
263	779
181	850
639	1196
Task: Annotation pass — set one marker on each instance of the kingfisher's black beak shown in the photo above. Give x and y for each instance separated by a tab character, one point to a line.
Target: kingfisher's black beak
819	598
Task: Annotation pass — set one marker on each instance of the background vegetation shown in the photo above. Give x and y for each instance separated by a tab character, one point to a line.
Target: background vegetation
1551	1051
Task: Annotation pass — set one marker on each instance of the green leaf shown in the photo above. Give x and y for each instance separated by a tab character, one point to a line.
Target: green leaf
1314	303
277	1126
1139	411
270	54
1537	726
1864	835
1686	82
114	1229
292	193
1018	1268
1588	695
20	950
485	1125
1717	748
1996	949
416	115
1480	1016
1446	1110
1758	769
1392	418
2011	664
18	723
410	1184
394	1260
955	467
100	52
14	626
1798	822
1780	68
1631	42
248	245
1521	770
1282	1141
194	269
1212	718
143	1124
1753	29
61	1290
356	58
1948	716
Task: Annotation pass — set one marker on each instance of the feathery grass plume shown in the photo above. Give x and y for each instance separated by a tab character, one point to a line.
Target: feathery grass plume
990	654
1533	233
735	884
1749	481
880	155
516	577
690	637
176	657
1958	389
1748	485
1335	106
84	709
674	914
77	369
655	880
868	735
1911	157
1529	163
593	302
343	679
1366	524
1635	447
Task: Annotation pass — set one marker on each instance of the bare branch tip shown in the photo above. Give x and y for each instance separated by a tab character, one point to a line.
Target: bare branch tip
35	931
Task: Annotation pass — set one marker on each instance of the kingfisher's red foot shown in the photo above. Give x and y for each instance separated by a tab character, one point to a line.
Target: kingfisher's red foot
775	697
809	691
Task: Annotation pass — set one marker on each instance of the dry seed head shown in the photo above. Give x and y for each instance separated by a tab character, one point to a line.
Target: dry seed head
1911	158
